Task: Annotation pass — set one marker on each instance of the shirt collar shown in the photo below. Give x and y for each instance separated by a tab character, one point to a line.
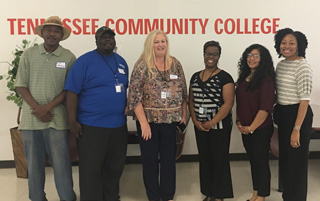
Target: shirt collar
57	52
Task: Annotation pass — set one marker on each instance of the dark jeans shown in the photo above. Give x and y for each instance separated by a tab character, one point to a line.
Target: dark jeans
293	162
257	146
162	145
102	154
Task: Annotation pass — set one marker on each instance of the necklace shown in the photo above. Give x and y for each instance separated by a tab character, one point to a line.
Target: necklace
210	74
164	72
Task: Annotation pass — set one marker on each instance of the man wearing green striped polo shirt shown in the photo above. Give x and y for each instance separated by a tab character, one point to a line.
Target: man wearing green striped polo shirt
40	80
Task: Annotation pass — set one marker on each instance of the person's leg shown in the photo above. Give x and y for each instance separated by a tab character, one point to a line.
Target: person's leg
205	162
114	161
57	147
149	154
248	145
298	163
168	161
261	147
294	171
35	152
220	143
92	150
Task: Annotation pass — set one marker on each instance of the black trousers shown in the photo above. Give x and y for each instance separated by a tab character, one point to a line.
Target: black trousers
215	175
162	145
102	154
293	162
257	146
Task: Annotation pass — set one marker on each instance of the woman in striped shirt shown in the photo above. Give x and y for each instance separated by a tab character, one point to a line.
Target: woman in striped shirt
210	102
293	83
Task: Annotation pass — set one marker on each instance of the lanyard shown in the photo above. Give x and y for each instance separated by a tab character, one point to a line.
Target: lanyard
115	61
164	72
204	88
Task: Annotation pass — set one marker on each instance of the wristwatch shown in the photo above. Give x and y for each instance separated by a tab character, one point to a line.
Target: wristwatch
297	127
250	130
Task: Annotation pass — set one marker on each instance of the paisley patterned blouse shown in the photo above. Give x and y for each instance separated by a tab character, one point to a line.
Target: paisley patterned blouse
161	94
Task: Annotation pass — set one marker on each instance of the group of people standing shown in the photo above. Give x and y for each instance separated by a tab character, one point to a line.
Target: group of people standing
95	90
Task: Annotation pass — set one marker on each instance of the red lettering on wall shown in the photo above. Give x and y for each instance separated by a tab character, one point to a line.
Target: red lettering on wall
21	27
11	21
123	23
148	27
216	24
88	26
135	27
232	25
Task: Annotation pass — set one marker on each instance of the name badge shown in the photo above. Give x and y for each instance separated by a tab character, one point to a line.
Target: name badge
121	71
119	88
202	110
165	94
61	64
173	77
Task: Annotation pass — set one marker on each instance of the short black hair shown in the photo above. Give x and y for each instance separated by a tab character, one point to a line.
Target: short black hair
212	43
300	37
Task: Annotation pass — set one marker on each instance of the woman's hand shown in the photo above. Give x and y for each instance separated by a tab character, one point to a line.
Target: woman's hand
207	125
145	131
200	126
295	138
183	120
241	128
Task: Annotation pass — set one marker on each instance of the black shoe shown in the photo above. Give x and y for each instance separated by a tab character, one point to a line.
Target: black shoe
209	198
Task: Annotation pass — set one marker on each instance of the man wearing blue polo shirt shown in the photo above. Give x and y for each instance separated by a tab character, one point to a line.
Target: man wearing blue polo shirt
96	99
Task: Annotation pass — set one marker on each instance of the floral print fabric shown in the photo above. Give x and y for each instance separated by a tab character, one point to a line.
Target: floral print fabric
161	94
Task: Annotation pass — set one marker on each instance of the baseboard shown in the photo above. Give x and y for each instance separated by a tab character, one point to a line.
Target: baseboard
182	159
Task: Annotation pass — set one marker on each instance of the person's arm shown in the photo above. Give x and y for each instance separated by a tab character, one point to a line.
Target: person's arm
141	116
260	117
238	123
197	123
302	111
43	109
72	104
42	112
184	113
228	98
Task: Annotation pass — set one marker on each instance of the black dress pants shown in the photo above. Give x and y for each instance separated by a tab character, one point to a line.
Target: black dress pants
214	165
257	146
102	154
162	145
293	162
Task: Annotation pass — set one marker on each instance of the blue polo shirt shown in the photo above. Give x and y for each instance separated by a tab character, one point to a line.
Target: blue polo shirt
92	78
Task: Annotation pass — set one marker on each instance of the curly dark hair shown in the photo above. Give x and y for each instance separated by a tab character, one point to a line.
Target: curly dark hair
210	44
300	37
265	68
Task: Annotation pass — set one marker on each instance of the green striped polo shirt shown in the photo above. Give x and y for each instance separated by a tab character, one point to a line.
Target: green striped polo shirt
44	74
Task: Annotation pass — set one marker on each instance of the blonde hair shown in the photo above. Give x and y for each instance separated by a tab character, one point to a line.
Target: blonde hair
148	55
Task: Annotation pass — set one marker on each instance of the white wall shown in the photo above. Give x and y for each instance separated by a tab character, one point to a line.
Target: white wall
187	47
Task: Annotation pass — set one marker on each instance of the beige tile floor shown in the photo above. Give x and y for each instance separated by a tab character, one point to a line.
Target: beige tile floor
132	189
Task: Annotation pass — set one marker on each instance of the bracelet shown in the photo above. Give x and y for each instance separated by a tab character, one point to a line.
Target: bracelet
297	128
250	130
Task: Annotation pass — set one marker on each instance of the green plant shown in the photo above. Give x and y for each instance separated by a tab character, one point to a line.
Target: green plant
12	71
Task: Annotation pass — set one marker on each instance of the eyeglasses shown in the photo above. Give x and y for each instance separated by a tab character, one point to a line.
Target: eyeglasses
208	54
255	56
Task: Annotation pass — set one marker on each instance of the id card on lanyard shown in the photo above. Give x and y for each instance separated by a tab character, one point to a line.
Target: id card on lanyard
118	86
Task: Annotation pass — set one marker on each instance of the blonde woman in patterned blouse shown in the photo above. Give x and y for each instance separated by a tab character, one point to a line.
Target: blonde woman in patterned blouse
157	99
